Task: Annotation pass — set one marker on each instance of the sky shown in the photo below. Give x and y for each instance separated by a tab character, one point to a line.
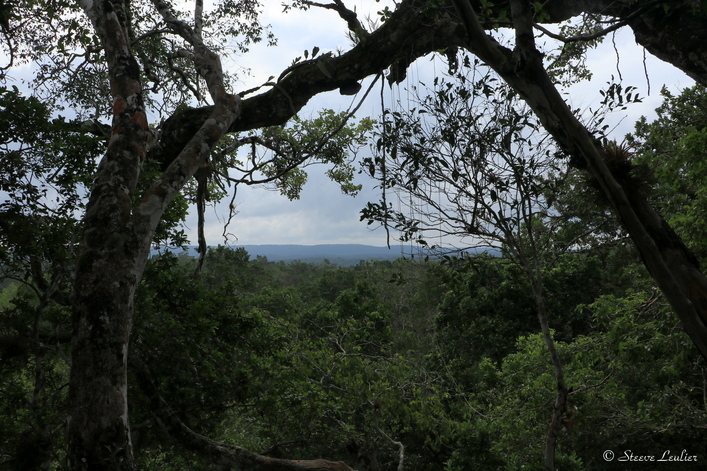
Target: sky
323	215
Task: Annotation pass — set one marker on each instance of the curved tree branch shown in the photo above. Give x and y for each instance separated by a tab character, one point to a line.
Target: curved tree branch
668	260
406	36
218	453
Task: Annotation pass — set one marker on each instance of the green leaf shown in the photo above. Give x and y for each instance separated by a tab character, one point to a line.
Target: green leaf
324	70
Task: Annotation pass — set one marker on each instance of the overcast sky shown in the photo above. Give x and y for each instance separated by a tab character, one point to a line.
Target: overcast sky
324	215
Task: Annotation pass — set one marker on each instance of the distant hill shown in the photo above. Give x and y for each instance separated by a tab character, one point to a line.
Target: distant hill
332	252
338	254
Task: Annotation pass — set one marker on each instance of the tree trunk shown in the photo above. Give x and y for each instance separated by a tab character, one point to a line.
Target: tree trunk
561	400
116	243
99	432
109	265
533	271
668	260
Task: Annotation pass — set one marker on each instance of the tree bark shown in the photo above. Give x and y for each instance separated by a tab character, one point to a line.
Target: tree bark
668	260
116	244
108	269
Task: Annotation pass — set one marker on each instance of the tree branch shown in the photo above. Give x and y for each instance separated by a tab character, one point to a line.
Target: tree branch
619	24
666	257
406	36
218	453
347	15
194	155
401	449
206	61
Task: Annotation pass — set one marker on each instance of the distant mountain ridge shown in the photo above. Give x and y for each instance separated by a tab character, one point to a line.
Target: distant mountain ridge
338	254
298	252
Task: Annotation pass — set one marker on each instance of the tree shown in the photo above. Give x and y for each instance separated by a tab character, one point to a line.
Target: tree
479	172
669	261
630	392
673	155
118	60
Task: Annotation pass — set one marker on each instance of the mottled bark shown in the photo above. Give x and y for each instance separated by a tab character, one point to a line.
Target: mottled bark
108	268
116	245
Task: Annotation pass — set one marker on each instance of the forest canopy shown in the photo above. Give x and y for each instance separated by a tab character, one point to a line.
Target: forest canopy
584	341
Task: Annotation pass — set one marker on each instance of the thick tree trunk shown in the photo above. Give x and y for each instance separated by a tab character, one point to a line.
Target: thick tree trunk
108	269
99	431
116	244
666	257
112	258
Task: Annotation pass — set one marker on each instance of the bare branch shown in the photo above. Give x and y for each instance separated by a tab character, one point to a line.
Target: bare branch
221	454
614	26
347	15
206	61
401	449
587	37
185	79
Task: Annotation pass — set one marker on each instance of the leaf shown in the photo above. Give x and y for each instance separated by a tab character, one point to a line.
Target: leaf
324	70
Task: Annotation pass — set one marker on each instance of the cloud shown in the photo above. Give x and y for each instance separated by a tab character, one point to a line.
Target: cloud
324	215
620	59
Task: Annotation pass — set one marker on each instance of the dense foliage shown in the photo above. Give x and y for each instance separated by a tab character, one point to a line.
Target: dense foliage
434	365
299	360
